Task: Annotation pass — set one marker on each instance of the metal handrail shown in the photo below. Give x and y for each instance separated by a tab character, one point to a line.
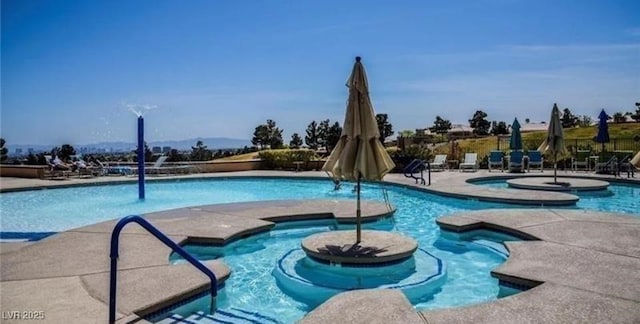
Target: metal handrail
115	235
415	165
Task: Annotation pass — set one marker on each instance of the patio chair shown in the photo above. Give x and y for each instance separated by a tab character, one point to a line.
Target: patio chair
608	163
581	159
470	162
157	167
535	160
624	159
114	170
515	161
56	169
496	160
439	162
83	168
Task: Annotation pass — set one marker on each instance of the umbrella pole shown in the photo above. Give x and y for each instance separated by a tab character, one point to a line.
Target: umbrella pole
358	218
555	168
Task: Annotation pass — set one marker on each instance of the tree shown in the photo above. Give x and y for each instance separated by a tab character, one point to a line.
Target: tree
311	139
333	136
407	133
148	155
260	136
323	132
66	151
636	116
3	150
274	135
499	128
296	141
384	126
479	123
527	120
584	121
440	126
568	120
619	118
174	156
200	152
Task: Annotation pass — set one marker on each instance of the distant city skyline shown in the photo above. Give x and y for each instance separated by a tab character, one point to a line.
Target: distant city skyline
72	69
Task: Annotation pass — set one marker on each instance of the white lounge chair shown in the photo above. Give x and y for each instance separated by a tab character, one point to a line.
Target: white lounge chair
157	167
439	162
470	162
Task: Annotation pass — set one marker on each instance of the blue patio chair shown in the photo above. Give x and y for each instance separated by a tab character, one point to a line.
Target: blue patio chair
535	160
515	161
496	160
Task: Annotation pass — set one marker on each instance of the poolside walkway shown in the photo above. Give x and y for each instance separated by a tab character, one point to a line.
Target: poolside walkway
584	266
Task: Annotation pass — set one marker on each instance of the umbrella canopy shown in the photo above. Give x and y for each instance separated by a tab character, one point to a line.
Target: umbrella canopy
603	129
554	143
516	137
359	153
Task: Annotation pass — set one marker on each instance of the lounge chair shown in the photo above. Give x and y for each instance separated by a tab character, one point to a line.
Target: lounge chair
439	162
470	162
53	170
157	167
581	159
496	160
535	160
624	159
608	163
85	169
515	161
114	170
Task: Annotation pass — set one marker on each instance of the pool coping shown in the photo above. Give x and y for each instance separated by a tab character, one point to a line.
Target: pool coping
85	279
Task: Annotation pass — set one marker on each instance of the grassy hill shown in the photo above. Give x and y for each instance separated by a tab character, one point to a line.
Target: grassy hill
574	137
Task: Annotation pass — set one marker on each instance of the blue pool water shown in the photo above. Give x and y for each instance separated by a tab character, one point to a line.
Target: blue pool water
618	197
252	285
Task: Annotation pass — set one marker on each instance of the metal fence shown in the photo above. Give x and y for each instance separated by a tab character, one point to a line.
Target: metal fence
572	144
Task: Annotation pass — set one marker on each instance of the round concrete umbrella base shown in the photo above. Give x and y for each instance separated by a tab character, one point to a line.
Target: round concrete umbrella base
376	247
563	184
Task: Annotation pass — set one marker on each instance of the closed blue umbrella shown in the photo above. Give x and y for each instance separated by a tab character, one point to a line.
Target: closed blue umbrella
515	143
603	129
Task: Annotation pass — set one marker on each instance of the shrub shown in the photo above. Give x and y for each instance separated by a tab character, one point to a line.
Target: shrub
404	157
283	159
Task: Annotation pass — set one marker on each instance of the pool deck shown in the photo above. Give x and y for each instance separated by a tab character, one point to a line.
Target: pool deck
584	266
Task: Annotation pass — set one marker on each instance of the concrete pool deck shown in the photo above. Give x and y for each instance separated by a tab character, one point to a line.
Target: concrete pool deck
585	266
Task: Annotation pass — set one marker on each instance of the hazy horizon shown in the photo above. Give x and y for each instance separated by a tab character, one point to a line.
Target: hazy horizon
71	69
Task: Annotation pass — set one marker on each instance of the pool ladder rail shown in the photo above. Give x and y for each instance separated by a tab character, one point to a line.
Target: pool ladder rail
415	166
115	235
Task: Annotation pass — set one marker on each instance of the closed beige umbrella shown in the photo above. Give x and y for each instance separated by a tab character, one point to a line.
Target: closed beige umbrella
554	143
359	154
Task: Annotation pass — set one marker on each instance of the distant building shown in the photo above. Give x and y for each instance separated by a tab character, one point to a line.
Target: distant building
18	151
166	149
532	127
156	149
459	131
30	150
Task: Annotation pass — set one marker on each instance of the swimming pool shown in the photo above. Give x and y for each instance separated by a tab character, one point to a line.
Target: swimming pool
618	197
251	285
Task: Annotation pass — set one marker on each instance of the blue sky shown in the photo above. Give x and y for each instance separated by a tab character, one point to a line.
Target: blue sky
70	69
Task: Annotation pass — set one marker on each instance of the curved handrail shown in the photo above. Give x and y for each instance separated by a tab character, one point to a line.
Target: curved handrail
416	165
115	235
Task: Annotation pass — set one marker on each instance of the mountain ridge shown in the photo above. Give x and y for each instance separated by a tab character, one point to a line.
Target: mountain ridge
212	143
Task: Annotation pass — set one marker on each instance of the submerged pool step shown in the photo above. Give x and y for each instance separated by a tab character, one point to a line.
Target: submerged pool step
496	247
232	315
